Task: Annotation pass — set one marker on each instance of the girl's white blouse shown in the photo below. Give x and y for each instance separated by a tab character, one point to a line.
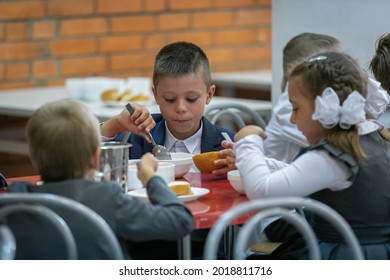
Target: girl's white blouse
311	172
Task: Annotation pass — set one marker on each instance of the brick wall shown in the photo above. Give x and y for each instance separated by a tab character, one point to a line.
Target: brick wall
43	42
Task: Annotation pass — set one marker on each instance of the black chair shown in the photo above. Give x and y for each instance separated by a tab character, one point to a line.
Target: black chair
93	237
38	232
280	207
7	243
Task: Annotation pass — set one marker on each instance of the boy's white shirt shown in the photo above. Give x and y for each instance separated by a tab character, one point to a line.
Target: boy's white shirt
192	144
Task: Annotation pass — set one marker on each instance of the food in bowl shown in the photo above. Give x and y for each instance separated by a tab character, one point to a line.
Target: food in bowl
125	96
205	161
234	178
180	188
183	163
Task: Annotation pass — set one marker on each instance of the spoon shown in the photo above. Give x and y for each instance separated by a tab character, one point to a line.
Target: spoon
159	151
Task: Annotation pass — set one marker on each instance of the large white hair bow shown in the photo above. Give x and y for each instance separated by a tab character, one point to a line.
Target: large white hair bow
329	112
377	99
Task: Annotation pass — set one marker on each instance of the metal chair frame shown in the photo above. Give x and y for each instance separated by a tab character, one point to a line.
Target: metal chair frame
314	206
214	113
7	243
71	210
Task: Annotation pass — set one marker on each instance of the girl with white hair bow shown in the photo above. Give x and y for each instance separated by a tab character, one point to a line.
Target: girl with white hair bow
347	164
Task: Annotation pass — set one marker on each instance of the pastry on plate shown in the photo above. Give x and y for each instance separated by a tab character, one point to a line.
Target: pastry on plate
180	188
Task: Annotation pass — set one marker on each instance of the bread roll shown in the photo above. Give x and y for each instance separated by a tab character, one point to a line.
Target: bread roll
110	95
180	188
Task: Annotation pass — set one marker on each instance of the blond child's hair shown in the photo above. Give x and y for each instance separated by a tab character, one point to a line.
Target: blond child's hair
344	75
63	137
305	45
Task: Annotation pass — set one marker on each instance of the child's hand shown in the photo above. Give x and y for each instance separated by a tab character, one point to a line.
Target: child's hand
147	168
227	159
250	130
140	120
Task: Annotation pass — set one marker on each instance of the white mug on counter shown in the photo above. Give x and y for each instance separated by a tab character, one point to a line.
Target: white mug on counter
164	169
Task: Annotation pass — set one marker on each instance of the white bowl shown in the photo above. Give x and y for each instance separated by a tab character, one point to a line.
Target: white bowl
183	163
164	169
234	178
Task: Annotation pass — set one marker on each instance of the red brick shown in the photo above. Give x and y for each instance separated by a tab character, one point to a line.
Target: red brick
203	20
235	37
156	41
220	55
120	43
256	17
17	71
2	31
83	66
44	68
256	53
44	29
2	74
264	3
173	21
198	38
131	24
15	85
189	5
234	3
17	31
136	61
70	7
22	9
9	51
92	26
154	5
119	6
73	47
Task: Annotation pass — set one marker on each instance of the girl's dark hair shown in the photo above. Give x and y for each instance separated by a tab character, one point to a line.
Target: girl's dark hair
380	63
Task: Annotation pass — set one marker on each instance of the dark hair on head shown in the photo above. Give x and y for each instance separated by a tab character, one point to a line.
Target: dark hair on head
380	63
344	75
181	58
303	46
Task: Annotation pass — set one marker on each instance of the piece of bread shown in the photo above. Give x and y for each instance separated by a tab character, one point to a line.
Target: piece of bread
180	188
205	161
110	95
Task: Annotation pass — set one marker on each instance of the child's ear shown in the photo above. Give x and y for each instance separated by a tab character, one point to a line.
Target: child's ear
95	159
210	94
154	94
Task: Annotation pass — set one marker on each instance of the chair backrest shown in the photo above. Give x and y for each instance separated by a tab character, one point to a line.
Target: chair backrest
94	238
266	205
228	115
38	232
7	243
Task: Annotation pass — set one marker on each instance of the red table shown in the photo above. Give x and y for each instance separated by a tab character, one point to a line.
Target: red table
206	209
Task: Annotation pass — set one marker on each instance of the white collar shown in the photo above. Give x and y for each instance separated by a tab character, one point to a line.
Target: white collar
192	143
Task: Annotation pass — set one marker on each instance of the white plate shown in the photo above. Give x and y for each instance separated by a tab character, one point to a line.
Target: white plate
197	192
123	103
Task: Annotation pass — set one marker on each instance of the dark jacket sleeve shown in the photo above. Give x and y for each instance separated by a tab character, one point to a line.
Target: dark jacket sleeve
164	218
3	182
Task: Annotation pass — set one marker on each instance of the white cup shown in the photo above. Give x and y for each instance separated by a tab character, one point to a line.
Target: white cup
75	88
164	169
